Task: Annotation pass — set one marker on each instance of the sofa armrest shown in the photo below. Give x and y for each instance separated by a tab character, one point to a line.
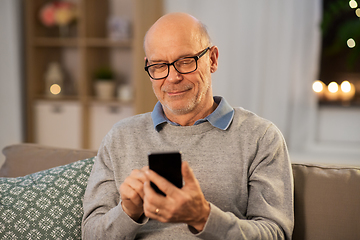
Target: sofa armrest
26	158
327	202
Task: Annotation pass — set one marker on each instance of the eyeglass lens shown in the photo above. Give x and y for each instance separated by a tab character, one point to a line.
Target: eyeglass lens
184	65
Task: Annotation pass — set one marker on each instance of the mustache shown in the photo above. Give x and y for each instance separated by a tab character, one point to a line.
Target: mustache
174	88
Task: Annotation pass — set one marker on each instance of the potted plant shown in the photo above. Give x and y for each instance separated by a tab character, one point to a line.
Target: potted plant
104	83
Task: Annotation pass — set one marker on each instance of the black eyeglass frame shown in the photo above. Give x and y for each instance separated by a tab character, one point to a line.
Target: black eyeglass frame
202	53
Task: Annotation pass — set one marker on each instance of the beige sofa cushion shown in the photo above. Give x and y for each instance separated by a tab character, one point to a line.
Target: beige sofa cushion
327	202
27	158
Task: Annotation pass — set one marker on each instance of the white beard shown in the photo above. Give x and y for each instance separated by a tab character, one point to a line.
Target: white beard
191	103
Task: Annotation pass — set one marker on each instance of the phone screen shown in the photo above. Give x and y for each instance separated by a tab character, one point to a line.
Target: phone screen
167	165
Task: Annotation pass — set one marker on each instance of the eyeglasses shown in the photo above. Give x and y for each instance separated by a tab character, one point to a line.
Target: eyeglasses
183	65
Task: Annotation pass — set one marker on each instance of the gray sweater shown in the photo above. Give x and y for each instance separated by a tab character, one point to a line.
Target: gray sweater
244	172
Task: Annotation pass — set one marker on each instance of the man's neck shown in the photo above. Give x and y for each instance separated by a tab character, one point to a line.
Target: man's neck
190	118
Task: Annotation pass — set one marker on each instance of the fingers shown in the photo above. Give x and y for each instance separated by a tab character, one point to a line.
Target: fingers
191	182
187	173
163	184
132	203
186	205
167	187
151	202
132	193
136	181
157	206
127	192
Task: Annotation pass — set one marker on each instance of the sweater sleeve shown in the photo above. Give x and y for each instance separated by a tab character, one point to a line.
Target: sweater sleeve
103	215
270	197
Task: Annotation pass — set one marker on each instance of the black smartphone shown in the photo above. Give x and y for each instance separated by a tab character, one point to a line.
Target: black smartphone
167	165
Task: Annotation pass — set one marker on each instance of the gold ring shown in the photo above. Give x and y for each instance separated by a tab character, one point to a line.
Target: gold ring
157	211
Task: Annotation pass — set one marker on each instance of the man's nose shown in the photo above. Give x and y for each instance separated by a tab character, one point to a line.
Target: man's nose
174	75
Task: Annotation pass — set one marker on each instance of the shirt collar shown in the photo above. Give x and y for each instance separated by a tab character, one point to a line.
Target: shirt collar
220	118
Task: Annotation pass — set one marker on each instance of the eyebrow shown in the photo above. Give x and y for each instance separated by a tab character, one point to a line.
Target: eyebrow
181	56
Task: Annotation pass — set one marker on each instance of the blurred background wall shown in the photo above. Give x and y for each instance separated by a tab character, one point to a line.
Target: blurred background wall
11	89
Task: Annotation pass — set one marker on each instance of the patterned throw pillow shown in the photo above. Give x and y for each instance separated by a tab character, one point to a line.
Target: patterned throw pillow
46	204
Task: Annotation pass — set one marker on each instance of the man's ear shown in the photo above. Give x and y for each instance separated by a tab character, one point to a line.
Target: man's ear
214	57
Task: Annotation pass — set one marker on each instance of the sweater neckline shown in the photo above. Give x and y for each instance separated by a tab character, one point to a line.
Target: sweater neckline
186	130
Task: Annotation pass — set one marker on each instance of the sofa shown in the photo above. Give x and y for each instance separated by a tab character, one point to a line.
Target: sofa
41	192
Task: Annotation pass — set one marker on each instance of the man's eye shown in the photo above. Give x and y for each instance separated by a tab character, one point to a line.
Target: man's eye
185	62
159	66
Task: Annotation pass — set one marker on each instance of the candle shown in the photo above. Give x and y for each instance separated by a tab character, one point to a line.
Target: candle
332	91
347	91
319	88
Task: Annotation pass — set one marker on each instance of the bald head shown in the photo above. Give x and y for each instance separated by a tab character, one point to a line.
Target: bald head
173	28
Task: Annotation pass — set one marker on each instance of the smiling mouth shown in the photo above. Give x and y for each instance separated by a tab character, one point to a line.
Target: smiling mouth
176	93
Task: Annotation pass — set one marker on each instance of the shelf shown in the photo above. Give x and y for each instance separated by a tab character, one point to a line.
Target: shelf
103	42
338	104
56	98
112	102
55	42
75	42
86	48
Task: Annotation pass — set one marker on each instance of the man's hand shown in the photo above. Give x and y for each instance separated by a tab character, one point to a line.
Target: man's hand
132	193
186	205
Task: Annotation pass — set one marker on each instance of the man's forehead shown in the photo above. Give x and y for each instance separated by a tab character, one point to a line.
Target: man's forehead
169	55
172	36
171	46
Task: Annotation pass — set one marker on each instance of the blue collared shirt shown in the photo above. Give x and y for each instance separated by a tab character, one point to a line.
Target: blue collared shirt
220	118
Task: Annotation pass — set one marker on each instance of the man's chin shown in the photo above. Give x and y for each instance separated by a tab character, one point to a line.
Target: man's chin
179	109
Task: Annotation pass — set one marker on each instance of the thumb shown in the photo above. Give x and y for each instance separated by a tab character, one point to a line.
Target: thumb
187	173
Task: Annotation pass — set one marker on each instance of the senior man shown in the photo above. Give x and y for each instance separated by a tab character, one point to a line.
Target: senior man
237	174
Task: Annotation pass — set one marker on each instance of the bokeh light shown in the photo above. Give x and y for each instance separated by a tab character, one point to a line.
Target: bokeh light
333	87
353	4
317	86
55	89
357	12
351	43
345	86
